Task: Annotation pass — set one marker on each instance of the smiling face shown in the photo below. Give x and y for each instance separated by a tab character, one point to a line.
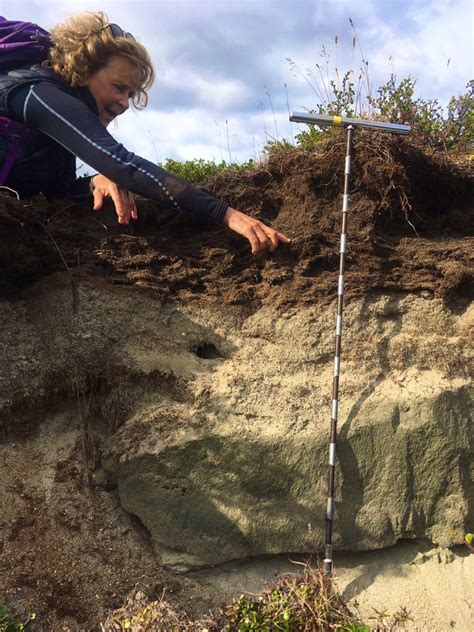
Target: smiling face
113	86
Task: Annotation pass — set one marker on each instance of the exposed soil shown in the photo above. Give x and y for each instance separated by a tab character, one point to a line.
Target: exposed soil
410	229
68	552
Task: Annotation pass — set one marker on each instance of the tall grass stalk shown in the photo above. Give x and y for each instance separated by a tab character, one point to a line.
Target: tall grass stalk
273	112
365	63
228	142
220	139
288	110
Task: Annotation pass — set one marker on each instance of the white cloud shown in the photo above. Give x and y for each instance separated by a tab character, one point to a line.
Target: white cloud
216	93
193	134
442	33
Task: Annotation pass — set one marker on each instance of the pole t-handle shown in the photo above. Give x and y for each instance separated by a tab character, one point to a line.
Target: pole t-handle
324	120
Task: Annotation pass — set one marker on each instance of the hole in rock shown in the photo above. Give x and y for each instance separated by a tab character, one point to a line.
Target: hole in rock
207	351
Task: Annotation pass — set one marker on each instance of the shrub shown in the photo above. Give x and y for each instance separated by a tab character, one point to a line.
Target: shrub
396	103
199	170
450	128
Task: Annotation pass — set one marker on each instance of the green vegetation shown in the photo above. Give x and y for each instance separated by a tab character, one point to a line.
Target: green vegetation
396	103
199	170
468	540
294	603
461	538
10	622
350	94
450	130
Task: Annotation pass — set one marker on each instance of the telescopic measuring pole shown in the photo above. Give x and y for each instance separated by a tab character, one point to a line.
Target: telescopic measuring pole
350	125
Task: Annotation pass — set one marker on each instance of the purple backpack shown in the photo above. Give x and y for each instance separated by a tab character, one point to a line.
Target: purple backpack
21	44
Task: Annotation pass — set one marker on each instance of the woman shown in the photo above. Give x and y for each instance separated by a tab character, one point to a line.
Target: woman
93	72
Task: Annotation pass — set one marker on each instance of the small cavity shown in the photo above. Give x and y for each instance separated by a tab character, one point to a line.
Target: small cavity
207	351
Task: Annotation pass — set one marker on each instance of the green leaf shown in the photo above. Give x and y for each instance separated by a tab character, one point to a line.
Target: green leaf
3	614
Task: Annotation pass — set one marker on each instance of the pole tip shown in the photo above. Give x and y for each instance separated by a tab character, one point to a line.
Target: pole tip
327	566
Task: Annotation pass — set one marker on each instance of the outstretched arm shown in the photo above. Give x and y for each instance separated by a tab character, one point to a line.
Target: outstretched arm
70	122
65	118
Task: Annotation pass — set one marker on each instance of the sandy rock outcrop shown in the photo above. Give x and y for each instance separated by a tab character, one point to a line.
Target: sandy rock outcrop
241	470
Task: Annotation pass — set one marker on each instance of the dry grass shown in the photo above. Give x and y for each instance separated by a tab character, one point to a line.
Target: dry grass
305	602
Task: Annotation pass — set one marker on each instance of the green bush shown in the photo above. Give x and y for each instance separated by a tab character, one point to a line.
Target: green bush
199	170
277	146
448	130
451	130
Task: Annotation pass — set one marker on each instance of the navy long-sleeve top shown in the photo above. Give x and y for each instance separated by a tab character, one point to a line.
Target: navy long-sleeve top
68	121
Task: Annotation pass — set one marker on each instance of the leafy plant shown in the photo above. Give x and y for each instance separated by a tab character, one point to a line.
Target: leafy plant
199	170
460	538
303	603
10	622
396	103
306	602
468	541
453	130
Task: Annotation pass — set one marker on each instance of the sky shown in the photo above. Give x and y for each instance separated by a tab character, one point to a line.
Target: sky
224	83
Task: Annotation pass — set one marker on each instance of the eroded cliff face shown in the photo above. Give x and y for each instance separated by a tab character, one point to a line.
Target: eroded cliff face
213	423
165	401
240	470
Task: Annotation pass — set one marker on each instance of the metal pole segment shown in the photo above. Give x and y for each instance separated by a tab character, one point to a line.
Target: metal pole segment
337	359
324	120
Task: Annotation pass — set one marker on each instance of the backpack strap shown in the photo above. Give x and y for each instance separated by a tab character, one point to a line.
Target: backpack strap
19	135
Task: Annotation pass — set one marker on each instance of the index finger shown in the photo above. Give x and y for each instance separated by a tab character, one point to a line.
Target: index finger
275	237
98	199
283	238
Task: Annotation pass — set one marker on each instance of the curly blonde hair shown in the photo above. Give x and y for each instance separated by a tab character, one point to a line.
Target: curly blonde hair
82	47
